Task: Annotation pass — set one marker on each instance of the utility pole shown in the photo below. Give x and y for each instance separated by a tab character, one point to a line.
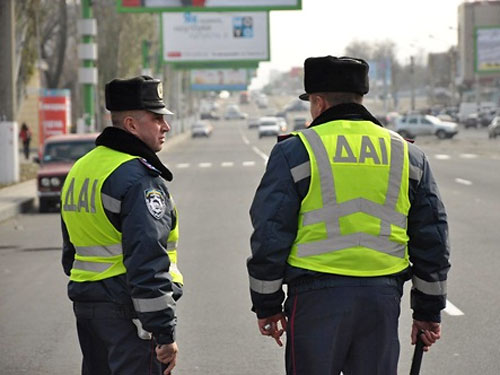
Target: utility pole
9	156
87	74
412	82
7	62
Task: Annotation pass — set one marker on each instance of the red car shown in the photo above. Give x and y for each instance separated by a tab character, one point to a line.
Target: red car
59	154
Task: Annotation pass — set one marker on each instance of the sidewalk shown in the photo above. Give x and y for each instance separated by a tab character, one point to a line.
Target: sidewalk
17	198
21	197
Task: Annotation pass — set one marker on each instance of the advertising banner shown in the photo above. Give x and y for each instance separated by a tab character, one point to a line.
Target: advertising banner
206	5
488	49
219	79
54	113
209	37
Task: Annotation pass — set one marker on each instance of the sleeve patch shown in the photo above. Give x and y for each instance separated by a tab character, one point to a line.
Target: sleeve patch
155	202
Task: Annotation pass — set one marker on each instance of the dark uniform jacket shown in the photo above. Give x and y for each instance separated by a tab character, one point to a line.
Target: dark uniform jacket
144	238
277	202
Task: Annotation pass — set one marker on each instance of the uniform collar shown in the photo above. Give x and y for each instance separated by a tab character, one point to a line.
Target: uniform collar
345	111
120	140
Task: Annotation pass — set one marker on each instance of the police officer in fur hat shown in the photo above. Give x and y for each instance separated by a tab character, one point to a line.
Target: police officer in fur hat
120	232
346	212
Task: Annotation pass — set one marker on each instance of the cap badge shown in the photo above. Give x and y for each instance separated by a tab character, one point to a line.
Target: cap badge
159	89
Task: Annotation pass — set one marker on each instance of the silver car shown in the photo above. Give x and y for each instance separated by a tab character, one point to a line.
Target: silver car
411	126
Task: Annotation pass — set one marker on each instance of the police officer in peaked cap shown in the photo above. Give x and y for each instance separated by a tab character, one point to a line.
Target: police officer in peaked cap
345	213
120	233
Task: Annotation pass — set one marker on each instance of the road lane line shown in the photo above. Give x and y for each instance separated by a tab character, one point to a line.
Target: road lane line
260	153
204	165
463	182
452	310
468	156
442	156
183	165
248	163
227	164
245	139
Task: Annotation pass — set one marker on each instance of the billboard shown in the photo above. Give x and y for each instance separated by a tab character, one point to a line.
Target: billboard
488	49
210	37
219	79
206	5
54	113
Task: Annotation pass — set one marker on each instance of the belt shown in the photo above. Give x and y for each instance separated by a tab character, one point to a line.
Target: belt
103	310
332	281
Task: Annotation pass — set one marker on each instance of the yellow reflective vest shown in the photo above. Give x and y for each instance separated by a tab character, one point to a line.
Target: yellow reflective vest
98	246
353	219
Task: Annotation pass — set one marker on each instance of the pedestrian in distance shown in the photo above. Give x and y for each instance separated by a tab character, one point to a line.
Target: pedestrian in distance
120	232
345	213
25	136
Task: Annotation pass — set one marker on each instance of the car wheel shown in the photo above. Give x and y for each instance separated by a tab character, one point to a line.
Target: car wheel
43	205
441	134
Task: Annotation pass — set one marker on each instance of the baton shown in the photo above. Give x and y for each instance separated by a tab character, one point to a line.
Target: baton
417	355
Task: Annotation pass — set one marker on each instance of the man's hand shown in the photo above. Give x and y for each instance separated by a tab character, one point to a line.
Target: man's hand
432	333
269	327
167	354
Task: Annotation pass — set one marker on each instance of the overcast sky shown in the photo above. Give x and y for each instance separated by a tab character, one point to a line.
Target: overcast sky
326	27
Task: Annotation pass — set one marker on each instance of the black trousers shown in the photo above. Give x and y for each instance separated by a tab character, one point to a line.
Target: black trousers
347	325
109	341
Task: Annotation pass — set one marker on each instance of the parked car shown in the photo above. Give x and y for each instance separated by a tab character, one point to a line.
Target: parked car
234	112
58	156
270	126
209	116
253	123
201	128
299	123
411	126
262	101
494	127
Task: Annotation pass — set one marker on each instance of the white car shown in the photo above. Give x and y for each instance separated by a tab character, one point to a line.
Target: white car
414	125
270	126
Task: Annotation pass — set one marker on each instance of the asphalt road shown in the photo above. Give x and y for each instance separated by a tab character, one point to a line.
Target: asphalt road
214	183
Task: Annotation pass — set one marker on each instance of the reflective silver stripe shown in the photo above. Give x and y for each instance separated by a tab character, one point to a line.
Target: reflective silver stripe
173	268
99	251
172	245
352	206
301	171
381	244
265	286
111	204
432	288
324	166
91	266
394	187
145	305
415	172
332	211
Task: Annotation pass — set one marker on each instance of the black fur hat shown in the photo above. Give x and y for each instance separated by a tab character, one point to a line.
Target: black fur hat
335	74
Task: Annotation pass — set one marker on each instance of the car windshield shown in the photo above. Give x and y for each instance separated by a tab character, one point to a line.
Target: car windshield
66	151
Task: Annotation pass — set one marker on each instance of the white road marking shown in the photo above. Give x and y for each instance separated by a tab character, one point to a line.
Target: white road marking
468	156
248	163
442	156
245	139
463	182
260	153
452	310
204	165
183	165
227	164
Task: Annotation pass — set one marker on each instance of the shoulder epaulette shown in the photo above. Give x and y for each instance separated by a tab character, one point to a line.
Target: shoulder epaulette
148	165
282	137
